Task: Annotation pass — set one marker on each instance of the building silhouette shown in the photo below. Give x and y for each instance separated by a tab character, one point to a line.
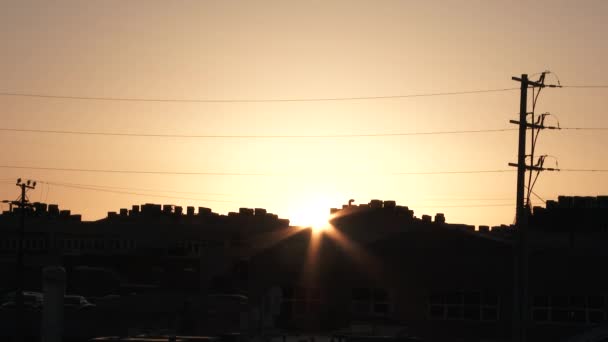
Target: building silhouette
378	269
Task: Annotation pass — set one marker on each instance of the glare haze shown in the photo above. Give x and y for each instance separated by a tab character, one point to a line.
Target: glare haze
229	50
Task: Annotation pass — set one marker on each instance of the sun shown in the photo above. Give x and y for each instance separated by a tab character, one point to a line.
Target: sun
313	216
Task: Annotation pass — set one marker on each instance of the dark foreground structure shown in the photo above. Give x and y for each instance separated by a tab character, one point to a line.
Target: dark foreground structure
378	270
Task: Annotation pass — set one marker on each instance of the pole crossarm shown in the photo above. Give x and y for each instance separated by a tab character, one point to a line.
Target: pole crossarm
19	203
533	125
535	168
528	82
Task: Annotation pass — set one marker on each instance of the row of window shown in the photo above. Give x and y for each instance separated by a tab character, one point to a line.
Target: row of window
41	244
300	307
197	247
471	306
476	306
364	301
68	244
300	300
588	309
30	244
370	301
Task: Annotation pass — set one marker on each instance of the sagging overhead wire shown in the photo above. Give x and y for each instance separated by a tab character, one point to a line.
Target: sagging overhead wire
212	136
107	187
313	99
67	185
586	86
130	191
584	170
195	173
203	173
306	136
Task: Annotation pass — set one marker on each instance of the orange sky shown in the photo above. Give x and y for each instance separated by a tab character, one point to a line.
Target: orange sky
289	49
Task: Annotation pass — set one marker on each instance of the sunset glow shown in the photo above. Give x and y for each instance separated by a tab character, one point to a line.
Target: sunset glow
273	61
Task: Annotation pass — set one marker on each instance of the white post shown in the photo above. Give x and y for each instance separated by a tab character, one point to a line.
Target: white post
54	282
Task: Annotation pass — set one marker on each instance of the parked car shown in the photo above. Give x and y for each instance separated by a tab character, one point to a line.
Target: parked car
31	300
76	302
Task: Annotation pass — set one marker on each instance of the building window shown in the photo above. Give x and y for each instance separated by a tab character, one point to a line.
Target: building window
469	306
300	300
577	309
370	301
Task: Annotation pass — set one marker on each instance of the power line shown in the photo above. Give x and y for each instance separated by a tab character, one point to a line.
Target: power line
208	200
318	99
315	99
311	136
452	172
110	189
585	86
133	171
107	187
584	170
134	193
229	173
466	206
255	136
200	173
585	128
424	199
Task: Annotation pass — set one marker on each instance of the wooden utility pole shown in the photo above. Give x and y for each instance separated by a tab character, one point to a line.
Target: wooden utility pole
521	218
19	288
520	281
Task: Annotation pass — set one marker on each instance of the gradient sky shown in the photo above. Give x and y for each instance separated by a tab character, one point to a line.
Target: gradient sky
305	49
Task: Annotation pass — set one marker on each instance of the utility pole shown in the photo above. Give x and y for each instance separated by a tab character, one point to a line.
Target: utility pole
520	290
22	204
519	302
